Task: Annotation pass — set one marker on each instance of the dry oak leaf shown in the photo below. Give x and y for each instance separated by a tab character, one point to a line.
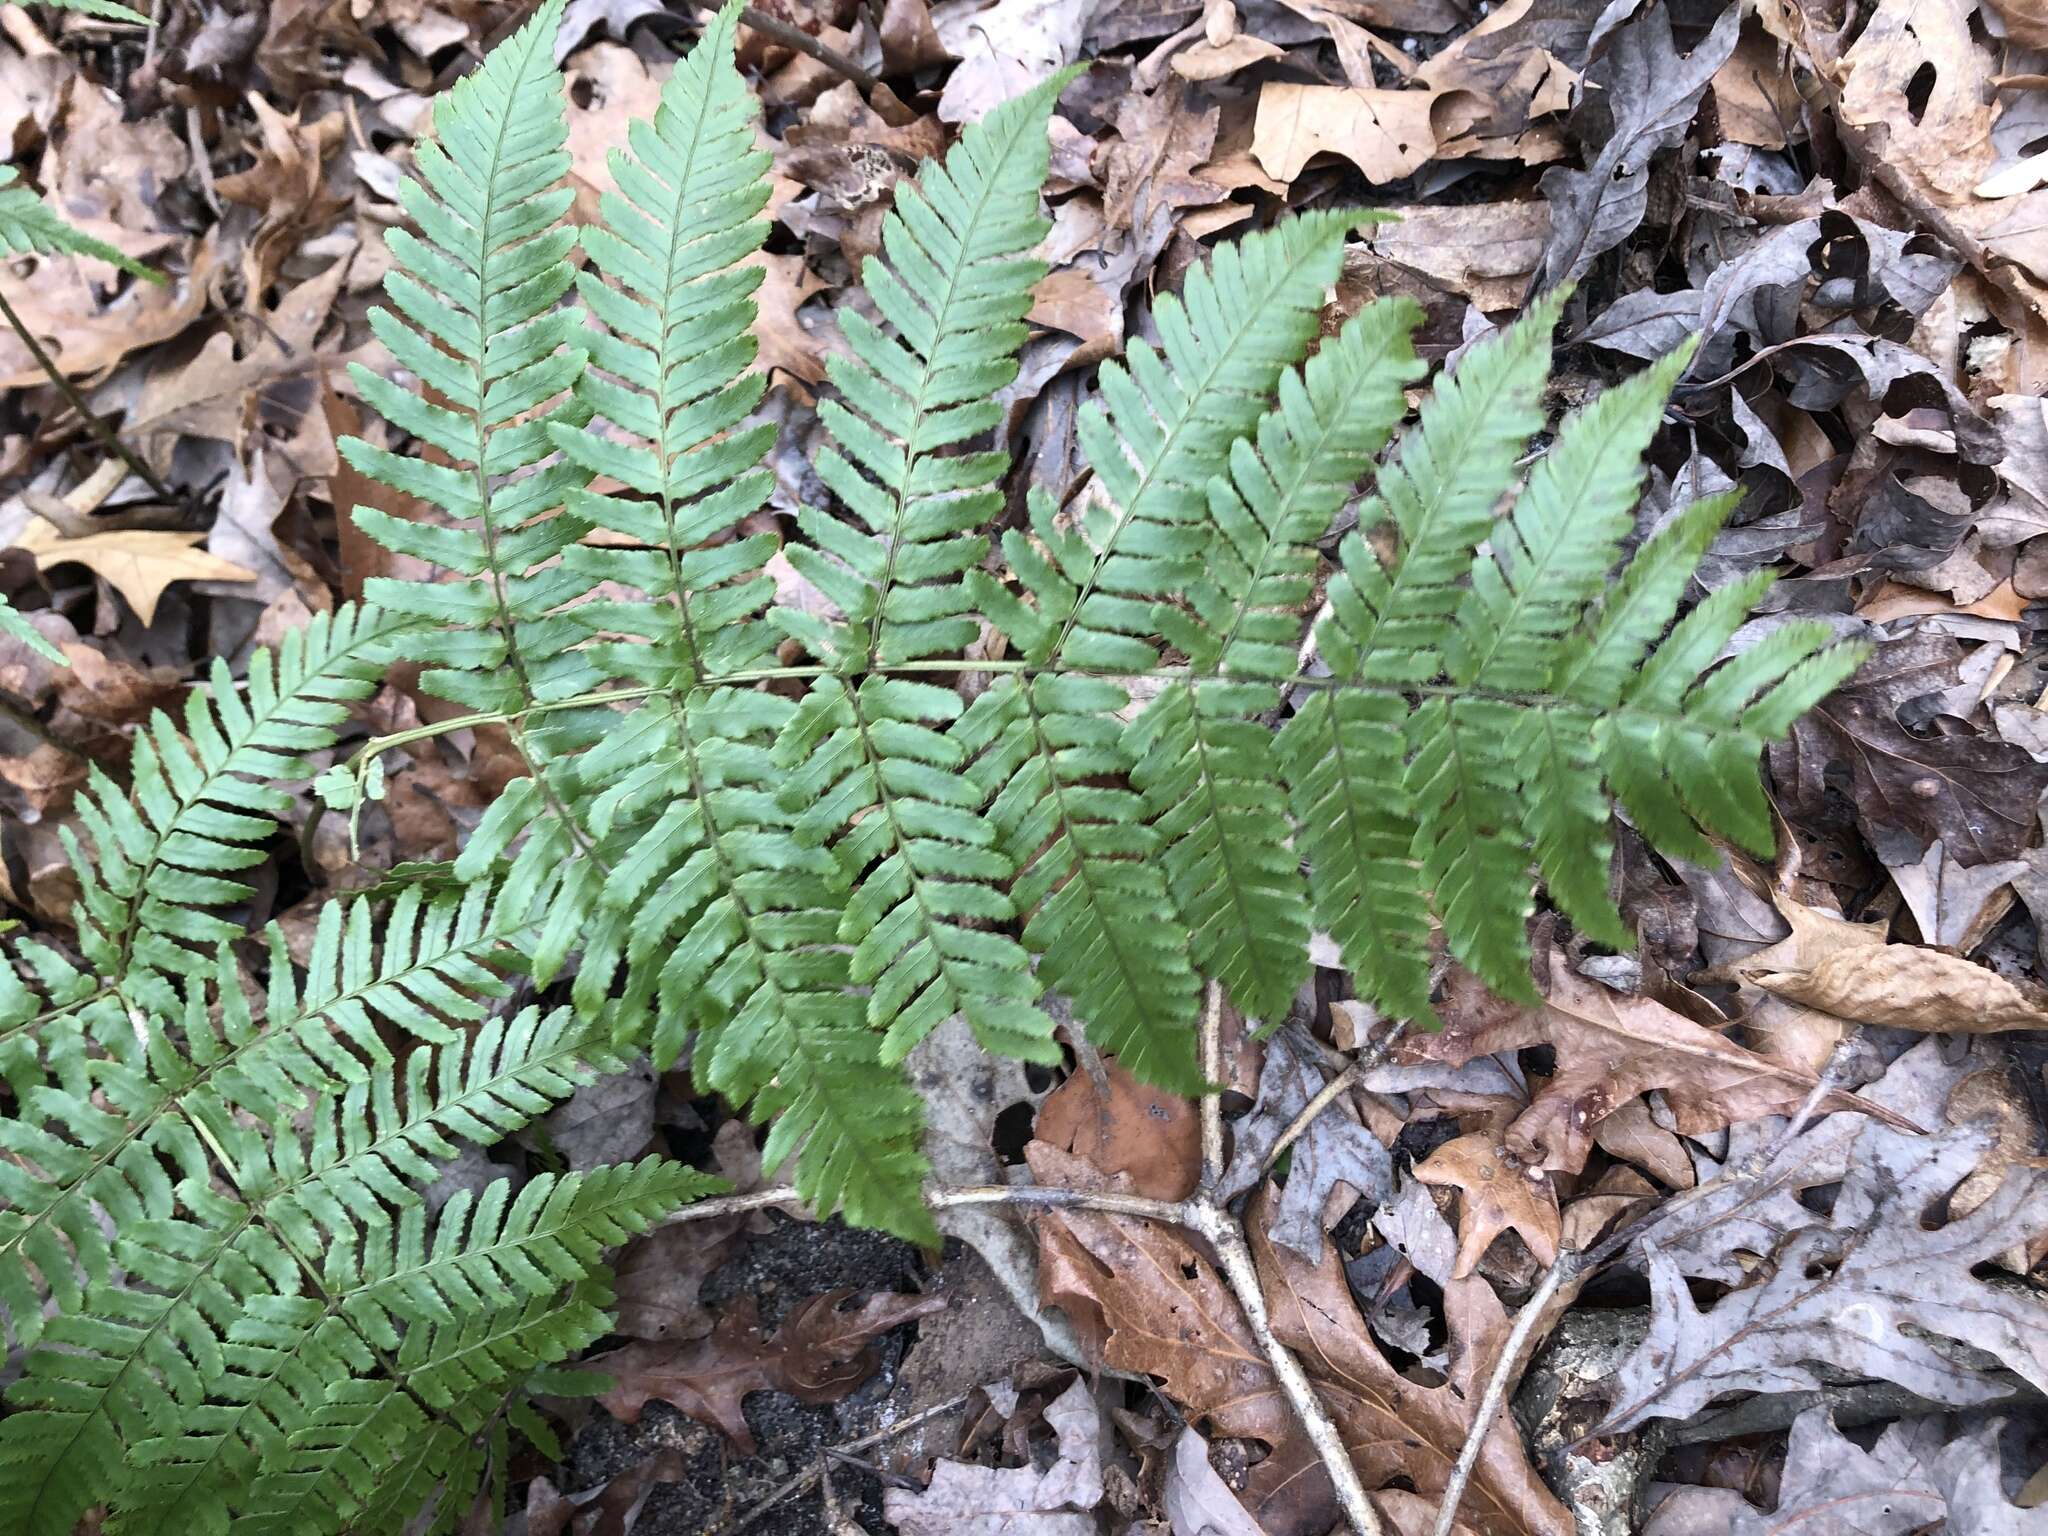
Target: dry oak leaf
139	563
968	1500
818	1355
1905	987
1386	134
1148	1301
1861	1289
1789	1032
1394	1428
1611	1048
1493	1197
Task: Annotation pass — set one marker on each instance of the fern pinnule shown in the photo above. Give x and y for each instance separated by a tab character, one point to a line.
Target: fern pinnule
30	227
205	801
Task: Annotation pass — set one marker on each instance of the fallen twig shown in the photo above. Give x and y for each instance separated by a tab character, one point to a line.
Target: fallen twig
795	37
802	1481
1564	1268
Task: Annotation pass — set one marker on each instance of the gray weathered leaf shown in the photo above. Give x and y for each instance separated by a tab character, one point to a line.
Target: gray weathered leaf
1198	1502
1647	95
968	1500
1334	1150
1917	1477
1861	1289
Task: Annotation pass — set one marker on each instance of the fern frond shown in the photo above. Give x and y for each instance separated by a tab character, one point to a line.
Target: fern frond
29	227
1047	751
954	281
1167	425
673	296
476	319
1201	753
205	801
129	1366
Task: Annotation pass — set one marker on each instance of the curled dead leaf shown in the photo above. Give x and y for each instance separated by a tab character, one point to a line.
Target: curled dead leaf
1905	987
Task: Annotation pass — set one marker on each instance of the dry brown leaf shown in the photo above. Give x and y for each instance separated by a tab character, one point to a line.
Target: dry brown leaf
139	563
1386	134
2026	21
1906	987
1152	1136
1150	1302
1611	1048
1495	1196
1485	253
1754	95
60	303
1213	61
818	1355
1788	1032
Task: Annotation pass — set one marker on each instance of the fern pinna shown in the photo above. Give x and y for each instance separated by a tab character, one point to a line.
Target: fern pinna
1146	739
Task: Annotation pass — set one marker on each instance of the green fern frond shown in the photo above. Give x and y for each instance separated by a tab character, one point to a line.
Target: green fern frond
673	294
1166	426
872	771
476	319
205	800
955	282
1201	752
28	226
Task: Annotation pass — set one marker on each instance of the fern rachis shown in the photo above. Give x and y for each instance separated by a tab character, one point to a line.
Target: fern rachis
1109	755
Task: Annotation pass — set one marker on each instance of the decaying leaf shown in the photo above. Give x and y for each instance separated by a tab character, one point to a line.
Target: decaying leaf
818	1355
1386	134
1060	1500
1153	1137
139	563
1198	1502
1494	1196
1611	1047
1907	987
1919	1476
1860	1289
1336	1153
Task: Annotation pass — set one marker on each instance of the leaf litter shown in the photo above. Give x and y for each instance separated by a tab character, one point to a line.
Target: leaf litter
1843	202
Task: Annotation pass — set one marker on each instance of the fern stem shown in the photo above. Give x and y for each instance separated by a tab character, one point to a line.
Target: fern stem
94	423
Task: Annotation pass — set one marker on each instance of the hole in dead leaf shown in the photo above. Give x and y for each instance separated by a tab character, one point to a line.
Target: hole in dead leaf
1012	1130
1918	89
1038	1079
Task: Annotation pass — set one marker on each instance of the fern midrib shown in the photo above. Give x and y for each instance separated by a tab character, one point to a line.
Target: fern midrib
899	494
1217	822
1222	368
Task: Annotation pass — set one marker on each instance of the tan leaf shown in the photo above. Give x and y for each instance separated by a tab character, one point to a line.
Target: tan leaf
1386	134
139	563
1152	1136
1494	1197
1906	987
1788	1032
1485	252
1213	61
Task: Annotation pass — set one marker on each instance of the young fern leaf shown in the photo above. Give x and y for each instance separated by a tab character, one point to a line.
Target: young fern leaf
955	285
1200	753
